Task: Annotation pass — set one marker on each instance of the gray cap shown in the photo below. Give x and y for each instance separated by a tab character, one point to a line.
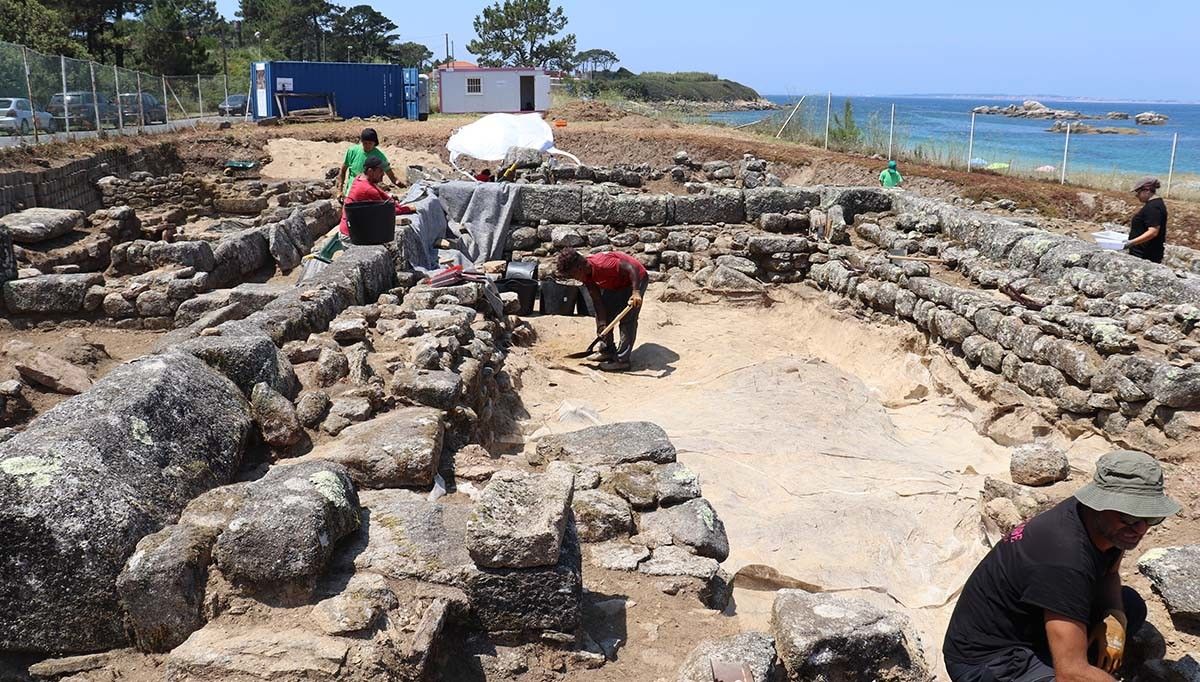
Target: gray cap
1128	482
1148	182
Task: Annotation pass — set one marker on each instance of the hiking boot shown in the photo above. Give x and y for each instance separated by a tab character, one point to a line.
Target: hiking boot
602	356
615	366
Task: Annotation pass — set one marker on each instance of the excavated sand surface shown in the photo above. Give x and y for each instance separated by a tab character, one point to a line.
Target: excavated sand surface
823	442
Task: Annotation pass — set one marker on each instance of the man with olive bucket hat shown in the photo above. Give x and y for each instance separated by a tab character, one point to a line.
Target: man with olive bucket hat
1047	602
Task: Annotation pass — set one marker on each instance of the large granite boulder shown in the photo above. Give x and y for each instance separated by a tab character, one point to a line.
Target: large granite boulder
93	476
398	449
288	527
609	444
247	358
827	637
1175	573
34	225
49	294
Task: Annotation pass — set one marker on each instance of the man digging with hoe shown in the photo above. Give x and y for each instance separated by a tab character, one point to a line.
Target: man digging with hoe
1046	602
615	281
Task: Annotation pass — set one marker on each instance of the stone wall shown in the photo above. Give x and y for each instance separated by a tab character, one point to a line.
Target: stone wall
72	185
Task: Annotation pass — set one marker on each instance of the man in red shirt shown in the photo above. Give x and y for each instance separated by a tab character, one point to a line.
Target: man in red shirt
613	280
366	188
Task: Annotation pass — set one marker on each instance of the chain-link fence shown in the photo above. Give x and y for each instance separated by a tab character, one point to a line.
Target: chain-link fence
45	94
1099	151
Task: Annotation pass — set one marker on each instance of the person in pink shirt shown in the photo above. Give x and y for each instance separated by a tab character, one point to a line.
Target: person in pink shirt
613	280
366	188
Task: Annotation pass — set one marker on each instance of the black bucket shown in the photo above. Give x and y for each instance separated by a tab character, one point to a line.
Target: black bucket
371	222
558	299
525	289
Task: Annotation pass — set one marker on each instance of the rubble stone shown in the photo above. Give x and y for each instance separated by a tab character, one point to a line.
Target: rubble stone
287	529
398	449
830	637
609	444
601	516
519	520
754	649
1175	574
693	524
1038	464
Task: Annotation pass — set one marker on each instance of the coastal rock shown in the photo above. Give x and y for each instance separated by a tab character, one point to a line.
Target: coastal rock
1150	118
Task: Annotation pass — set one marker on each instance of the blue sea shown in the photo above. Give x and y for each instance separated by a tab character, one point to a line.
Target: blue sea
941	127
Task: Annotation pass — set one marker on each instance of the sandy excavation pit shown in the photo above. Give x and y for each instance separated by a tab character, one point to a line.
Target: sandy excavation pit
363	477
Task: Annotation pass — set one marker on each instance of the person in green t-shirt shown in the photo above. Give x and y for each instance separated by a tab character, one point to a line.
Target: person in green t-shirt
890	177
356	156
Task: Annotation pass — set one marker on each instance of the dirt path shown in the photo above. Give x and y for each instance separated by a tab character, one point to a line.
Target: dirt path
821	441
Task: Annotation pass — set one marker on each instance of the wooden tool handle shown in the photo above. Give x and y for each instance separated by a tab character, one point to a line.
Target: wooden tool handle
612	325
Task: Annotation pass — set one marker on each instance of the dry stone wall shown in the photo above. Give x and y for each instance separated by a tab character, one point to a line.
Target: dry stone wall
1095	336
73	185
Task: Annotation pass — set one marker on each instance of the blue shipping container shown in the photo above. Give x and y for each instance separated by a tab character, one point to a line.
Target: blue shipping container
357	89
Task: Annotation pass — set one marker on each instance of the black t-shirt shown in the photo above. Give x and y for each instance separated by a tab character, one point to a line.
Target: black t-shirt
1047	563
1152	214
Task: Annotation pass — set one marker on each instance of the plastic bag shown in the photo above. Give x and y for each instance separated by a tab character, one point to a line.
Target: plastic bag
490	138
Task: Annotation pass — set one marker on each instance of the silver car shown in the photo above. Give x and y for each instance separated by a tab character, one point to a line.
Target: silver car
19	117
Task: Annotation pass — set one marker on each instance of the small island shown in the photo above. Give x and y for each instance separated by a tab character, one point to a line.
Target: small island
1085	129
1032	109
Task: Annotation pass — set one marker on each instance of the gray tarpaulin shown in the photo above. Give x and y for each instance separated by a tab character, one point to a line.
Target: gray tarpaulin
474	216
428	225
486	219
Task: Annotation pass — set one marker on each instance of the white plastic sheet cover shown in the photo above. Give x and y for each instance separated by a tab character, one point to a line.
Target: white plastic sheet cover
490	138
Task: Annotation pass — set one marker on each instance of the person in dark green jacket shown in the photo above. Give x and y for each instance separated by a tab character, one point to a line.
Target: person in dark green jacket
890	177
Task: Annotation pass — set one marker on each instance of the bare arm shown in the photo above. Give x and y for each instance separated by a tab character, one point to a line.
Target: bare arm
635	280
392	176
341	181
1148	235
1068	640
598	305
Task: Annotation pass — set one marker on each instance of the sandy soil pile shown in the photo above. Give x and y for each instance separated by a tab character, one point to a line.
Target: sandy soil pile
293	159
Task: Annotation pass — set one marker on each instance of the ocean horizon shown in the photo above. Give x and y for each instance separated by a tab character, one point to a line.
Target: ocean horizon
938	127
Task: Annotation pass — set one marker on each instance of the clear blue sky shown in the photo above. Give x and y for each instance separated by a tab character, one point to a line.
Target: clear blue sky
1102	48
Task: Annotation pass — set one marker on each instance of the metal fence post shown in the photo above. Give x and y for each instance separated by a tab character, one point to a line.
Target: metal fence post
971	142
789	118
95	96
199	96
29	91
141	104
891	131
62	62
166	114
120	106
828	111
1171	170
1066	145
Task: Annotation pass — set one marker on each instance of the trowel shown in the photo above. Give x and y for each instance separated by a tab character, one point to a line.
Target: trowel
599	337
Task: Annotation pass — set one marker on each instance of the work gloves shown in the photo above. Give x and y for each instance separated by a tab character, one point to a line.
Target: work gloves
1109	636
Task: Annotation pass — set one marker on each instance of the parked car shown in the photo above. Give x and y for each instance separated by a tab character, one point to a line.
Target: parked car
19	116
152	110
234	105
80	110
